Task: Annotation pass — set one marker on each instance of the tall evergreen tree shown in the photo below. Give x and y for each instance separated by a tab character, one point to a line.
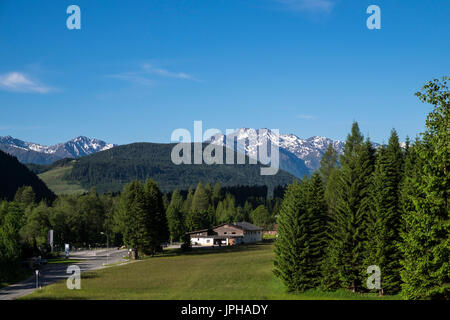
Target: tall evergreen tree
198	217
317	209
328	163
292	246
175	217
133	216
383	224
347	225
216	194
426	243
156	216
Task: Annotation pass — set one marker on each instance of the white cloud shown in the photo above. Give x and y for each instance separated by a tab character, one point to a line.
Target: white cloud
148	73
20	82
135	77
165	73
308	5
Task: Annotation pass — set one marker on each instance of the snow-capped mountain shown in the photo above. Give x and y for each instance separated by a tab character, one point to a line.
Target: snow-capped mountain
310	150
28	152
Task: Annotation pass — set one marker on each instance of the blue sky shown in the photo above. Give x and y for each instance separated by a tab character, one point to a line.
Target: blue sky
137	70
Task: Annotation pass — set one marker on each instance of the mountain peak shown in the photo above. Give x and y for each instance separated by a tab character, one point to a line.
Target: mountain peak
41	154
309	150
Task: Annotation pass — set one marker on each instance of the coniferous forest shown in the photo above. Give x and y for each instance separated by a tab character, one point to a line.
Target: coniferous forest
385	207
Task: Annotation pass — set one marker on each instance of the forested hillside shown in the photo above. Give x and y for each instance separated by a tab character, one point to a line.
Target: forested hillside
110	170
14	175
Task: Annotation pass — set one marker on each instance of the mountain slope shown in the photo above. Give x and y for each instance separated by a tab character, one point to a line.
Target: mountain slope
109	170
28	152
14	174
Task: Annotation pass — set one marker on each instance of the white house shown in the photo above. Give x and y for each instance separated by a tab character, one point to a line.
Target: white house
227	234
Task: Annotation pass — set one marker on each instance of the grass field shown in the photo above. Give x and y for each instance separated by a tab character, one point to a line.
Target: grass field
54	179
243	272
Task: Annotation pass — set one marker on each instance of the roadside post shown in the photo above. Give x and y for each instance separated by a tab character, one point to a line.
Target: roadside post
66	250
107	246
37	278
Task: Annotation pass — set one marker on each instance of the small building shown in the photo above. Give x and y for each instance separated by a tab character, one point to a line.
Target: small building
227	234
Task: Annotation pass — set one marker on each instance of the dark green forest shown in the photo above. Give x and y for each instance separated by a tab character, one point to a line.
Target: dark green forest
14	174
110	170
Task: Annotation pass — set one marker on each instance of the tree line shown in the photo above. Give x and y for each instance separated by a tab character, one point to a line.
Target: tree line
384	207
140	217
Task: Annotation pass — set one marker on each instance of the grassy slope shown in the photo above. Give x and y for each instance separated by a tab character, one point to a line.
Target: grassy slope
54	180
238	273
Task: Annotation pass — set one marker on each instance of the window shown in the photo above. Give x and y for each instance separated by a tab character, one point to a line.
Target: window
224	233
233	232
207	241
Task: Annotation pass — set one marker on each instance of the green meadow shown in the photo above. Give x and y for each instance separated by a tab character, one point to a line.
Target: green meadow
242	272
54	179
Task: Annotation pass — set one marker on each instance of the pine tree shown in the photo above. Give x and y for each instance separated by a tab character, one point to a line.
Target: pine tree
175	217
317	210
216	194
383	222
133	216
347	225
328	163
426	243
292	247
188	202
25	196
197	217
156	217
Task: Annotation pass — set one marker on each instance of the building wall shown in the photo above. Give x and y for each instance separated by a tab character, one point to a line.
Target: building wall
227	229
252	236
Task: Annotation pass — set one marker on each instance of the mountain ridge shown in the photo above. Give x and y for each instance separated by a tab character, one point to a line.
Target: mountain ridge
30	152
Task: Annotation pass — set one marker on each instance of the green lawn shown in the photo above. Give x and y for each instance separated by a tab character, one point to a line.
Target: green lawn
54	179
243	272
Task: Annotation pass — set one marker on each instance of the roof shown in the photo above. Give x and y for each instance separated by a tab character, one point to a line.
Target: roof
246	226
218	237
243	225
198	231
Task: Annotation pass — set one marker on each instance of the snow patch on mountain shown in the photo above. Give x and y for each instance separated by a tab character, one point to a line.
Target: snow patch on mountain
309	150
75	148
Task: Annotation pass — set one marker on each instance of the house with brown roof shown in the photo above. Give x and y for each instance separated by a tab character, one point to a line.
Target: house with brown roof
227	234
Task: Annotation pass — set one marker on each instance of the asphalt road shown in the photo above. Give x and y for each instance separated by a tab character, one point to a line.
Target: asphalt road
51	273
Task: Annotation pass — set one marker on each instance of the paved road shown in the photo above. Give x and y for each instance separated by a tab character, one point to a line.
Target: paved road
51	273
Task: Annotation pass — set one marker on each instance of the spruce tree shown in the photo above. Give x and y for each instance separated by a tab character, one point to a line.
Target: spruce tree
328	163
317	209
426	243
133	214
383	222
292	247
347	225
216	194
197	217
156	217
175	217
